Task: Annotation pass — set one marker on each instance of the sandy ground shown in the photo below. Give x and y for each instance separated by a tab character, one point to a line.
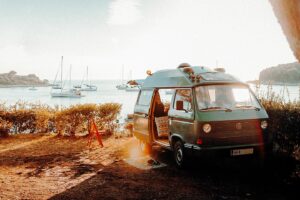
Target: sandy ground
38	167
46	167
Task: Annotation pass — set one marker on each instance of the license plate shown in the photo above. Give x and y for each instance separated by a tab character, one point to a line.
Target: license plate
237	152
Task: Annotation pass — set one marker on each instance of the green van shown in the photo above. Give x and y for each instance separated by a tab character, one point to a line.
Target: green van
208	111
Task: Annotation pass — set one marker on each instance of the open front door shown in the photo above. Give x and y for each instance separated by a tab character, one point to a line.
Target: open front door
141	122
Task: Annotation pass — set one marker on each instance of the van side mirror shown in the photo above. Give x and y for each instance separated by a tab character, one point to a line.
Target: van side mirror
179	105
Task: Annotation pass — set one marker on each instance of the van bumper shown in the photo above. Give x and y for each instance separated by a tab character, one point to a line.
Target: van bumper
195	150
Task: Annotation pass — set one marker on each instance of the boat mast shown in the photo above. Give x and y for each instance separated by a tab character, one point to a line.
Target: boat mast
61	73
54	82
87	75
130	75
70	76
123	74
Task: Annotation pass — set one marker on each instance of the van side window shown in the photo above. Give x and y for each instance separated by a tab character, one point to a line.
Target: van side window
145	97
166	96
184	95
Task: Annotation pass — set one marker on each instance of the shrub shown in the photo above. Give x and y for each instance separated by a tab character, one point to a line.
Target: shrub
284	124
284	120
70	120
106	114
23	120
39	118
5	127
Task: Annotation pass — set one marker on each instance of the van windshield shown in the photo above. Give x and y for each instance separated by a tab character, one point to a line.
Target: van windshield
225	97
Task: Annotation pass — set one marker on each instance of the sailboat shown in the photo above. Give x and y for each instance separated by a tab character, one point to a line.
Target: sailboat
56	85
69	93
122	86
132	85
86	86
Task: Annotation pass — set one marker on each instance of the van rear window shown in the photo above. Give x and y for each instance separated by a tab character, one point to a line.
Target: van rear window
145	97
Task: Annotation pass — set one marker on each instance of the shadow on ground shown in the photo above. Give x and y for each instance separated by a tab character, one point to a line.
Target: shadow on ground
216	178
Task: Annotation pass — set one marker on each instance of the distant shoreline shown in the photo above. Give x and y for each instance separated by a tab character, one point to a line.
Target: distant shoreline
282	84
23	86
273	83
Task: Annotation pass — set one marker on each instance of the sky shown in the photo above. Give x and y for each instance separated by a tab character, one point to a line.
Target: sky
243	36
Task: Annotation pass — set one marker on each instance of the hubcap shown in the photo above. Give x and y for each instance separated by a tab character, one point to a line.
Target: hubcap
179	155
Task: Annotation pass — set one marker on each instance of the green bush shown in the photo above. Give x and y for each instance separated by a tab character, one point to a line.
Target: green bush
5	127
284	124
75	118
38	118
20	116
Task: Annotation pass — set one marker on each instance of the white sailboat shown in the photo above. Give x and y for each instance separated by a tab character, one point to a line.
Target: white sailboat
132	85
133	88
56	85
86	86
123	85
68	93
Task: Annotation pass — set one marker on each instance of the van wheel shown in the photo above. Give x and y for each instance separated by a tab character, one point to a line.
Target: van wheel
145	147
179	154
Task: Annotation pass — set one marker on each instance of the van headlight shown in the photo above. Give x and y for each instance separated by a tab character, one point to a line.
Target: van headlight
206	128
264	124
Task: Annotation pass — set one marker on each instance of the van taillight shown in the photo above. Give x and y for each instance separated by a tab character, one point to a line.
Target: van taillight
199	141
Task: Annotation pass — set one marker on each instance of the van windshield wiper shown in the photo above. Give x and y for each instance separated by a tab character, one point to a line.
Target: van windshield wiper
248	106
216	108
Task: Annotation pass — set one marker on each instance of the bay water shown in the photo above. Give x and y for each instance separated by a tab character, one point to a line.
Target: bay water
107	92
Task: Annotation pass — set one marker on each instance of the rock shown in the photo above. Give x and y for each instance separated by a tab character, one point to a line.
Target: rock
284	73
12	78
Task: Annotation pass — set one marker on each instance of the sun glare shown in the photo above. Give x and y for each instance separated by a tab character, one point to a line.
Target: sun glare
135	151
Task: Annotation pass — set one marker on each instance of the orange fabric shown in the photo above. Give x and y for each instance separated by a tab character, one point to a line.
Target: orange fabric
93	130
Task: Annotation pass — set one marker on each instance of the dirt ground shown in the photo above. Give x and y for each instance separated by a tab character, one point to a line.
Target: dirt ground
47	167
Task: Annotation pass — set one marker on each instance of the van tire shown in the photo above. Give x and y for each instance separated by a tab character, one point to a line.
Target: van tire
145	147
179	154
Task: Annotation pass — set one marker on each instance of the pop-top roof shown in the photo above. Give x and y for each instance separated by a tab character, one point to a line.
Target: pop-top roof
187	77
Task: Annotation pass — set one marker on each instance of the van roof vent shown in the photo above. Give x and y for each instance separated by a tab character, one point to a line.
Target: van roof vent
184	65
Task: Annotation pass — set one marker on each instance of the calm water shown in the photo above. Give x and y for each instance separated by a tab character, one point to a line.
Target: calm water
289	93
107	92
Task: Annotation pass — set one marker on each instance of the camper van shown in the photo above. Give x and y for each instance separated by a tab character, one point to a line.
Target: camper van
208	111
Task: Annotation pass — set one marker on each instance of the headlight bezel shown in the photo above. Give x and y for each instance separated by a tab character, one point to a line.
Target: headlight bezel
206	128
264	124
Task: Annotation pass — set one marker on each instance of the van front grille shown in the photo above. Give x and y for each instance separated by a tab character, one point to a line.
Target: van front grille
234	132
235	127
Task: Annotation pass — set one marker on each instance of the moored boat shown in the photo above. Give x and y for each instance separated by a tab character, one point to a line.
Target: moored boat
61	92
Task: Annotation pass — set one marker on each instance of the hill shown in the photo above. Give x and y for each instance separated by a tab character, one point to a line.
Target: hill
11	78
283	73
